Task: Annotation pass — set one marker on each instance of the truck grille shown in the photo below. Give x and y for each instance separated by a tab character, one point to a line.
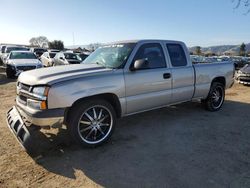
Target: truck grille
20	86
25	68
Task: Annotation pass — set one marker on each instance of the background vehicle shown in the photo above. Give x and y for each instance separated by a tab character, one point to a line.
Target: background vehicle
243	75
2	49
47	58
83	56
19	61
53	50
66	58
8	49
116	80
38	51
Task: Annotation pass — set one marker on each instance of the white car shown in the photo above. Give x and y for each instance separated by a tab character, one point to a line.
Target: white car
19	61
8	49
47	58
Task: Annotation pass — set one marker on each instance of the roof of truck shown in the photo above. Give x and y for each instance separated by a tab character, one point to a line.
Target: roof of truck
146	40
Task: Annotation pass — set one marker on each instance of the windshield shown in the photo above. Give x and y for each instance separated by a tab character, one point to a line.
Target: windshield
111	56
39	50
9	49
52	55
22	55
72	56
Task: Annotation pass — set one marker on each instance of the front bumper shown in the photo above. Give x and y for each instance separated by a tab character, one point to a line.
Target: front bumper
18	127
18	120
41	117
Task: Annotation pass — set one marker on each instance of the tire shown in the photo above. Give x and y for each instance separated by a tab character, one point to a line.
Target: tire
91	123
9	72
215	98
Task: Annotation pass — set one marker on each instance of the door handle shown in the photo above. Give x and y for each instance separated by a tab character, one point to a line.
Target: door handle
166	75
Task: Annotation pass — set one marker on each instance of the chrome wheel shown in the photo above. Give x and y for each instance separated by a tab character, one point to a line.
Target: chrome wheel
95	124
217	97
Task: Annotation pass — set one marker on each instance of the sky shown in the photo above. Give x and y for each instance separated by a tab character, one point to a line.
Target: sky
79	22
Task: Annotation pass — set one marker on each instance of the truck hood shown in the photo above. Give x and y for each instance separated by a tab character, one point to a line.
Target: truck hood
57	74
23	62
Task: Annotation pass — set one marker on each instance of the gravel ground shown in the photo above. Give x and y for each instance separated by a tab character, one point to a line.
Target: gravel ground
179	146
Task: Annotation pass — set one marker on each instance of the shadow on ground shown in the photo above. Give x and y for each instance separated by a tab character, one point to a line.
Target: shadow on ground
180	146
4	79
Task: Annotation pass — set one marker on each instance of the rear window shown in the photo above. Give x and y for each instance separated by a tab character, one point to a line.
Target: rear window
52	55
177	55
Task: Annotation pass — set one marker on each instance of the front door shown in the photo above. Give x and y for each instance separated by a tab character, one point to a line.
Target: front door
151	86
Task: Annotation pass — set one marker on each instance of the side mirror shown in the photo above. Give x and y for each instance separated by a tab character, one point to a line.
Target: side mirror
139	64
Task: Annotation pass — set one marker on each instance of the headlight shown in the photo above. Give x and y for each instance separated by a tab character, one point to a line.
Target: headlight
41	91
40	105
39	98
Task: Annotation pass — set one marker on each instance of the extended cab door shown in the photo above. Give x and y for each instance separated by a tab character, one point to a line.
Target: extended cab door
182	72
149	87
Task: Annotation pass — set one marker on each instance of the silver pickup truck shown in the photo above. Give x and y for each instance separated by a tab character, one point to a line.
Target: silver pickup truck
117	80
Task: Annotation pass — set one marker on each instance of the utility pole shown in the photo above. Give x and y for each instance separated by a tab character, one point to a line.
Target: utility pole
73	38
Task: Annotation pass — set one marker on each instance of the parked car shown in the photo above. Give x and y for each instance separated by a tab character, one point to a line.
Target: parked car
83	56
238	61
66	58
2	49
47	58
116	80
8	49
19	61
243	75
53	50
38	51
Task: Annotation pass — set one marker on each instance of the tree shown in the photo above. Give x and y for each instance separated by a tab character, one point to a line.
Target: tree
56	44
242	50
244	3
40	41
198	50
92	47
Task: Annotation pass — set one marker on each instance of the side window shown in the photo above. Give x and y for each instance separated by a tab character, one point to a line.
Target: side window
153	53
177	55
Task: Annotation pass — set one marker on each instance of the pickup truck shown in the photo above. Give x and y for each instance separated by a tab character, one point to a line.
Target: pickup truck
117	80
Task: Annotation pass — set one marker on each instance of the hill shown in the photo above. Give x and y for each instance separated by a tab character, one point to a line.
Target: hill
234	49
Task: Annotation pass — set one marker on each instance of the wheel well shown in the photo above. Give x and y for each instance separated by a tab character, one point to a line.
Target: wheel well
109	97
221	80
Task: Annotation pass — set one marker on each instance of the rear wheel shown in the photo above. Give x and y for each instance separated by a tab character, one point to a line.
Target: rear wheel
215	97
91	123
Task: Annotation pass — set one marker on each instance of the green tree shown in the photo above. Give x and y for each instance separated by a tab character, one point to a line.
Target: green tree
40	41
56	44
198	50
242	49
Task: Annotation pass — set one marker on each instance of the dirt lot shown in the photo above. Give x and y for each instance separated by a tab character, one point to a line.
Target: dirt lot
180	146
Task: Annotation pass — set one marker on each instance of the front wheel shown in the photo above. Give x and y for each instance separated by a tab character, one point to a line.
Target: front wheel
91	123
215	98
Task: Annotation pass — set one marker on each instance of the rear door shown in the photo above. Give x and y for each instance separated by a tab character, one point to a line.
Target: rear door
182	73
151	87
